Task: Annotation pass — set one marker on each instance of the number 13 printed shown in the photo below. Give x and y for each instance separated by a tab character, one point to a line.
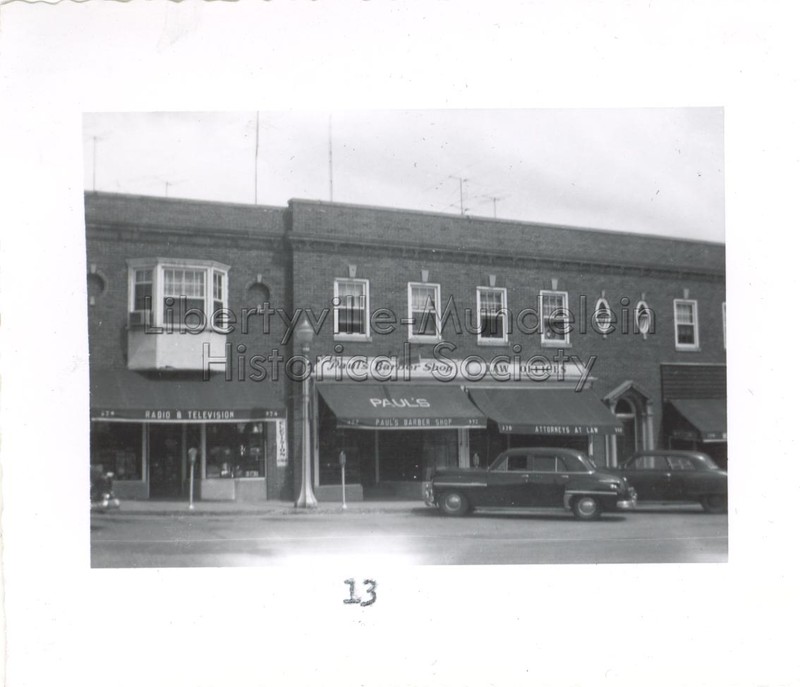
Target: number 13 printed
371	586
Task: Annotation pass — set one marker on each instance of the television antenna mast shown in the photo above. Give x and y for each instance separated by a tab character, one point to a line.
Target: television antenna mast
461	182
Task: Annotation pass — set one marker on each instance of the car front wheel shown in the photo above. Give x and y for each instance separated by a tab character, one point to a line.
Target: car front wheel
586	508
453	503
714	503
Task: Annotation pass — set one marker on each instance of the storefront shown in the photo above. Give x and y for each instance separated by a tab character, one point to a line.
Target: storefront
143	427
392	434
395	433
543	415
699	424
695	409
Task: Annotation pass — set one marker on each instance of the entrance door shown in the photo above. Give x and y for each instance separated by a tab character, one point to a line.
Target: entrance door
165	461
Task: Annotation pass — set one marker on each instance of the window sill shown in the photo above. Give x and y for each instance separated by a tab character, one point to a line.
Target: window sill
497	343
556	344
353	338
424	339
687	349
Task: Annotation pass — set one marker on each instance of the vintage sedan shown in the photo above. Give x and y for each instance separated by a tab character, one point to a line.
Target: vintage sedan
678	476
531	478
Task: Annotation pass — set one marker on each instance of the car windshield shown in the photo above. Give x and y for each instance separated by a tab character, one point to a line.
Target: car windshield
591	462
706	461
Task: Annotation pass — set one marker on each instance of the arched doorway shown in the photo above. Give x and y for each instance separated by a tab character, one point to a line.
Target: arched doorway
628	441
634	409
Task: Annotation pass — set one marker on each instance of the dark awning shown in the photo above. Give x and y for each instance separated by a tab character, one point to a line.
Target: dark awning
546	411
401	406
163	397
708	415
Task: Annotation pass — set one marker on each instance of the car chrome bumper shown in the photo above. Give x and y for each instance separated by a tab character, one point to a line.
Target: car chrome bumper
427	494
629	503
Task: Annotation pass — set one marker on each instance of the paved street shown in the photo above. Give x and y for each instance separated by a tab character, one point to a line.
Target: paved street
405	535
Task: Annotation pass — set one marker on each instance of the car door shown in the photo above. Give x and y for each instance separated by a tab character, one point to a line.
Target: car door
684	476
507	482
650	475
546	482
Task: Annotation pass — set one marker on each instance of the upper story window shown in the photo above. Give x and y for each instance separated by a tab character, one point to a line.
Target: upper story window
603	318
645	319
492	311
176	294
555	320
424	307
724	326
687	334
350	308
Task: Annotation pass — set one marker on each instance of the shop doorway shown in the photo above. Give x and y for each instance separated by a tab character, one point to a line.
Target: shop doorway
165	461
634	410
627	442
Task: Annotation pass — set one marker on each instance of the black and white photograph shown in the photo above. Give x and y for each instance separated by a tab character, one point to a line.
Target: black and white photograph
390	343
461	337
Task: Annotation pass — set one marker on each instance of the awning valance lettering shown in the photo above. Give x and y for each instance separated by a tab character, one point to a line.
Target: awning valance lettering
709	416
130	396
396	406
546	411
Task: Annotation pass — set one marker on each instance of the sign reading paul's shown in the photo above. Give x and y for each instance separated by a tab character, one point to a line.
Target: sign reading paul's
401	406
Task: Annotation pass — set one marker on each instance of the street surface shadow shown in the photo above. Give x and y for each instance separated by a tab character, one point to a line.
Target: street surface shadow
516	515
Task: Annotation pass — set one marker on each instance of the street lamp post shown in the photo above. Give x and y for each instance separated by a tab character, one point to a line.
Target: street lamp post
305	334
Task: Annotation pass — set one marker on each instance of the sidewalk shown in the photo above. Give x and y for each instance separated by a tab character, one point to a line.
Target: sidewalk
263	508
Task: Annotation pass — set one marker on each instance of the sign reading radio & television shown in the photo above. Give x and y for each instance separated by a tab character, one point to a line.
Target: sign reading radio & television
187	415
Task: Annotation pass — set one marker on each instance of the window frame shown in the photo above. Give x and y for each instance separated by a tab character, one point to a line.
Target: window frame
425	338
157	267
642	305
339	306
695	346
565	307
607	325
724	325
503	313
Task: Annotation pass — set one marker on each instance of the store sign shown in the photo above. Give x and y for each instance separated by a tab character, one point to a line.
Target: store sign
281	448
564	430
186	415
471	369
411	422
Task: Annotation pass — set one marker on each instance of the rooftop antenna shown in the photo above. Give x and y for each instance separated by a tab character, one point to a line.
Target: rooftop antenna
461	182
255	163
95	139
494	200
167	184
330	154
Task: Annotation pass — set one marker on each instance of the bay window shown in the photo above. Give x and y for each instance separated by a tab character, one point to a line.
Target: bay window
176	294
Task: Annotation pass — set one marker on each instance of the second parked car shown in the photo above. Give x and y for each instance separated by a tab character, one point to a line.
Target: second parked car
531	478
678	476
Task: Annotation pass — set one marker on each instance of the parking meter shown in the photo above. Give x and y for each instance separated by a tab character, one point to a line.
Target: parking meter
192	460
342	463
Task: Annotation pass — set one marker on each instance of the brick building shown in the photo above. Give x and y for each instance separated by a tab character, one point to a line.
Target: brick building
440	340
157	271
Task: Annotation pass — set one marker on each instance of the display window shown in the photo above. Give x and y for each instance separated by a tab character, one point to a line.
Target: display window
117	447
235	450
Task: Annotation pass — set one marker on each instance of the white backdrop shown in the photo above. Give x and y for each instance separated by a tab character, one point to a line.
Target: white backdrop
542	625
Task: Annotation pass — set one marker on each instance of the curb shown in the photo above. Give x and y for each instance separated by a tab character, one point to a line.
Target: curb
286	512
